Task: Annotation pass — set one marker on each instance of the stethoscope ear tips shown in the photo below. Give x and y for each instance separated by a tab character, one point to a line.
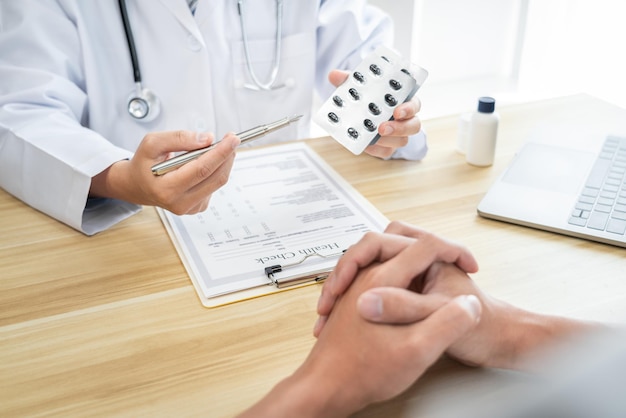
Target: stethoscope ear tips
143	105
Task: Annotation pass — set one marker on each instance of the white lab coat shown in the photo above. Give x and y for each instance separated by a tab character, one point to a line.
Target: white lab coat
66	75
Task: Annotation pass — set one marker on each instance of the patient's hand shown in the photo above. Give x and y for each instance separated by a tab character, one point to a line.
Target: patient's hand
506	337
356	362
406	253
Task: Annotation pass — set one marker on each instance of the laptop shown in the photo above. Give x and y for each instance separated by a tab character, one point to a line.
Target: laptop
565	179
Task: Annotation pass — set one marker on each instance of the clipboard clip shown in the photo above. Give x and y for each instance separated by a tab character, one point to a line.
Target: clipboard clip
314	276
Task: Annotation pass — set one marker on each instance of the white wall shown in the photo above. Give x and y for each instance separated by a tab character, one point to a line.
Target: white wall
514	50
403	13
574	46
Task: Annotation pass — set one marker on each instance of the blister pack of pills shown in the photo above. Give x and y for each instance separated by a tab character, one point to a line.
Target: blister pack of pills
379	84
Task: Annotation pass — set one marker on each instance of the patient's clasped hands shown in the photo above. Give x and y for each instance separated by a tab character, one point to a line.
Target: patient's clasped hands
394	304
418	272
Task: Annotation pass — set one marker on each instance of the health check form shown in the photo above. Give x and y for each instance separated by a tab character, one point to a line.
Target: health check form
284	213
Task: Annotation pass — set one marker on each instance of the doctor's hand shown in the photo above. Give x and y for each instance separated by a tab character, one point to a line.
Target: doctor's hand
185	190
394	133
406	253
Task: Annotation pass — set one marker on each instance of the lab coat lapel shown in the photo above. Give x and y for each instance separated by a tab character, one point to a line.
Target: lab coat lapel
180	9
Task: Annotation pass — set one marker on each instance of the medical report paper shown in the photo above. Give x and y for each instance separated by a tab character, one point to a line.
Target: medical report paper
282	205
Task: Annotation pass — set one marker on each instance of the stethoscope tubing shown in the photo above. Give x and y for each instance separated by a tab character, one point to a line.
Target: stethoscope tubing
144	105
277	48
131	41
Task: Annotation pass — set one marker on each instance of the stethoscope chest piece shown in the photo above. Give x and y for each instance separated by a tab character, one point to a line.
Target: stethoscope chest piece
143	104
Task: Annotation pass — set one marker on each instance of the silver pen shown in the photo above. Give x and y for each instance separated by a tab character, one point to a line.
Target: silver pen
245	136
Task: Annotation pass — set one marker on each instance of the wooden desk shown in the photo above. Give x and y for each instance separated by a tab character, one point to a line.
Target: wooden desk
111	325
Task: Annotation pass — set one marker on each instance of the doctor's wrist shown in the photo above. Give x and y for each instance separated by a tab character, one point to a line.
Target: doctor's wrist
111	183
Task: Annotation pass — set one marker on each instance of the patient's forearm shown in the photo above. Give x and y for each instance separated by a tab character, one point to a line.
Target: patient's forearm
531	334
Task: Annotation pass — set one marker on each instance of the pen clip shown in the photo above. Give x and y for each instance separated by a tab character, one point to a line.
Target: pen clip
280	283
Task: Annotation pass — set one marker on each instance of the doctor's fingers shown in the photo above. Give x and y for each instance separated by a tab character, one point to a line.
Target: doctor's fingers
400	128
338	77
405	121
183	201
184	190
408	109
155	145
212	182
386	145
200	207
208	166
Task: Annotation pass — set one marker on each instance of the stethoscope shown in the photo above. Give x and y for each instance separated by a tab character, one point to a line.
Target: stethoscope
277	48
144	105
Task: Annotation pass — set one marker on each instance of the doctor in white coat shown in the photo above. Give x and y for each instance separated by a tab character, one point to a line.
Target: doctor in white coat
69	146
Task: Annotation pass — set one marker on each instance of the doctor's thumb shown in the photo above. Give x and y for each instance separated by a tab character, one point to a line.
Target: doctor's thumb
338	77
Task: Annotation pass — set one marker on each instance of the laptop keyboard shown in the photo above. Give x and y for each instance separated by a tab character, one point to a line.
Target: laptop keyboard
602	203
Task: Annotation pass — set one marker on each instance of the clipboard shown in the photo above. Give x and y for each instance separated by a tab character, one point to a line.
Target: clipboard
281	222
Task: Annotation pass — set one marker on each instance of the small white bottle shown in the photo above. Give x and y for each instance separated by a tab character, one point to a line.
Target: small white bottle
483	132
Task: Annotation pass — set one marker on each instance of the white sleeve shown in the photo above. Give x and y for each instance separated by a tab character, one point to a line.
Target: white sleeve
47	158
415	150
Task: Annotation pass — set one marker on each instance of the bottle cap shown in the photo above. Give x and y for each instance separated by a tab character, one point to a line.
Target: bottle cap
486	104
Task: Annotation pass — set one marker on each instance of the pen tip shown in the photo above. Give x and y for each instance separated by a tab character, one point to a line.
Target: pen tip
294	118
